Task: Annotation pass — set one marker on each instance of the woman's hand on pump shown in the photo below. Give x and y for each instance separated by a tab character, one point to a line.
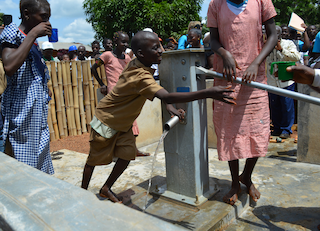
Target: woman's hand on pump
251	73
229	66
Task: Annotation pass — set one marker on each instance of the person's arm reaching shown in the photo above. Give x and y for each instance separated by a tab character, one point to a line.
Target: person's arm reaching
217	93
306	75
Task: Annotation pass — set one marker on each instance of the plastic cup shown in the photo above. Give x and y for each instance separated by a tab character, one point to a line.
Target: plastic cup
54	36
282	66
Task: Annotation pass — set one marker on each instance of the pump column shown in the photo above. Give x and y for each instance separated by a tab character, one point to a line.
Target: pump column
186	145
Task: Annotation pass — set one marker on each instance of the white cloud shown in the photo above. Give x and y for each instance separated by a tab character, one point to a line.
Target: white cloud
78	31
7	5
66	8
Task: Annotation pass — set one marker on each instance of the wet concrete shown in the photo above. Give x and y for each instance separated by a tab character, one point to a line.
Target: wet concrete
290	191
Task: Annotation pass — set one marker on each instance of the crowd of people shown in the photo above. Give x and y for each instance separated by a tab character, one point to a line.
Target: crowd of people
242	126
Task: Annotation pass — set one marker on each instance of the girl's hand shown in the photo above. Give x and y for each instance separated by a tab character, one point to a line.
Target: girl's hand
174	112
219	93
251	73
42	29
103	90
229	66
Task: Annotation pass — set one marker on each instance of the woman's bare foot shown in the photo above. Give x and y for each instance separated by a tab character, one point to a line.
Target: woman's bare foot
252	191
232	196
107	193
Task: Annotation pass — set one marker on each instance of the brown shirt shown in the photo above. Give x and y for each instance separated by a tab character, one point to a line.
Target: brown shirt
124	103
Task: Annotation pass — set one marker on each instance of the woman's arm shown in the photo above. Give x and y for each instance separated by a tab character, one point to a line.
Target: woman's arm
13	57
252	71
229	63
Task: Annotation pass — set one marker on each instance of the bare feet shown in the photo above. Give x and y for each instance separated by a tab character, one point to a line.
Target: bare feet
107	193
232	196
252	191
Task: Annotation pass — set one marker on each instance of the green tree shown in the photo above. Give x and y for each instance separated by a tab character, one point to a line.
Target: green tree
1	18
164	17
308	10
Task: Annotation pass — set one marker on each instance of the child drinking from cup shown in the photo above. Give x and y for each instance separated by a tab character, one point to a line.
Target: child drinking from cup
25	100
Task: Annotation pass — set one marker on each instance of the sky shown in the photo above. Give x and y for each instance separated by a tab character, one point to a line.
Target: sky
69	18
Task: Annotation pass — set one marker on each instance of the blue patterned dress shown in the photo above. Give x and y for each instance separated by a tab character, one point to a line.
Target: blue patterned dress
25	106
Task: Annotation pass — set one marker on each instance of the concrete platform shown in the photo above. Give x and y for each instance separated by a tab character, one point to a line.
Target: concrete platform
290	191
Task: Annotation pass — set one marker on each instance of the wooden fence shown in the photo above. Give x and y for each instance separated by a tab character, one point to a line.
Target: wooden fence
74	97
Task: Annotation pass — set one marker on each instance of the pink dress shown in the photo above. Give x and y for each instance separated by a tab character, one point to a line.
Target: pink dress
114	67
242	130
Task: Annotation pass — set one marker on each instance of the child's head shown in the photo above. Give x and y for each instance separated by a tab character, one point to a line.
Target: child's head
312	32
194	36
279	32
82	52
107	44
285	32
146	46
121	40
95	45
33	12
65	57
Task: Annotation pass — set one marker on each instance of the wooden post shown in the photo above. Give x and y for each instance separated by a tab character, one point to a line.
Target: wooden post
91	90
95	84
80	94
66	96
52	136
86	92
70	97
52	70
63	107
76	97
56	92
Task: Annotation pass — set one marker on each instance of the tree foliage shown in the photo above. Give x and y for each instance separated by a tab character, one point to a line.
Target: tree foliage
164	17
1	18
308	10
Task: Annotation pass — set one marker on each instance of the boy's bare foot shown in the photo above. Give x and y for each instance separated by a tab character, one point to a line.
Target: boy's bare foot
252	191
232	196
140	153
107	193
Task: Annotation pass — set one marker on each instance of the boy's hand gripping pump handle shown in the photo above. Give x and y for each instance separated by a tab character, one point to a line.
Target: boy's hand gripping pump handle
171	123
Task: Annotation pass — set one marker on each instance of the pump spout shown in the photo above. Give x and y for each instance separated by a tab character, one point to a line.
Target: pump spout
171	123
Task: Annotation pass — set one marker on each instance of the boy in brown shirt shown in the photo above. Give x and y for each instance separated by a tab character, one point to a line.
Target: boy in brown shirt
111	133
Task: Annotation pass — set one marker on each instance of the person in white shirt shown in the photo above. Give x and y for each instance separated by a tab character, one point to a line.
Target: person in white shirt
282	108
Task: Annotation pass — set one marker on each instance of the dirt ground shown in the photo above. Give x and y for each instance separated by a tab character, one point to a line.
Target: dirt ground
74	143
81	143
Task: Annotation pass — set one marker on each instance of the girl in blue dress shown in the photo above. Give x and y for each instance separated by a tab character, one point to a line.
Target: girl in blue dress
25	101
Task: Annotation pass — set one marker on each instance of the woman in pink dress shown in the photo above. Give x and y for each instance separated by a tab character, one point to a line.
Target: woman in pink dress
114	62
236	39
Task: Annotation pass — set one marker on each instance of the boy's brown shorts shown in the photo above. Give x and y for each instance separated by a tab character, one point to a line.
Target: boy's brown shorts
102	150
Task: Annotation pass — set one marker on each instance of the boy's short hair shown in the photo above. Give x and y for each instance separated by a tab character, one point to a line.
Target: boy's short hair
139	40
95	42
32	6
